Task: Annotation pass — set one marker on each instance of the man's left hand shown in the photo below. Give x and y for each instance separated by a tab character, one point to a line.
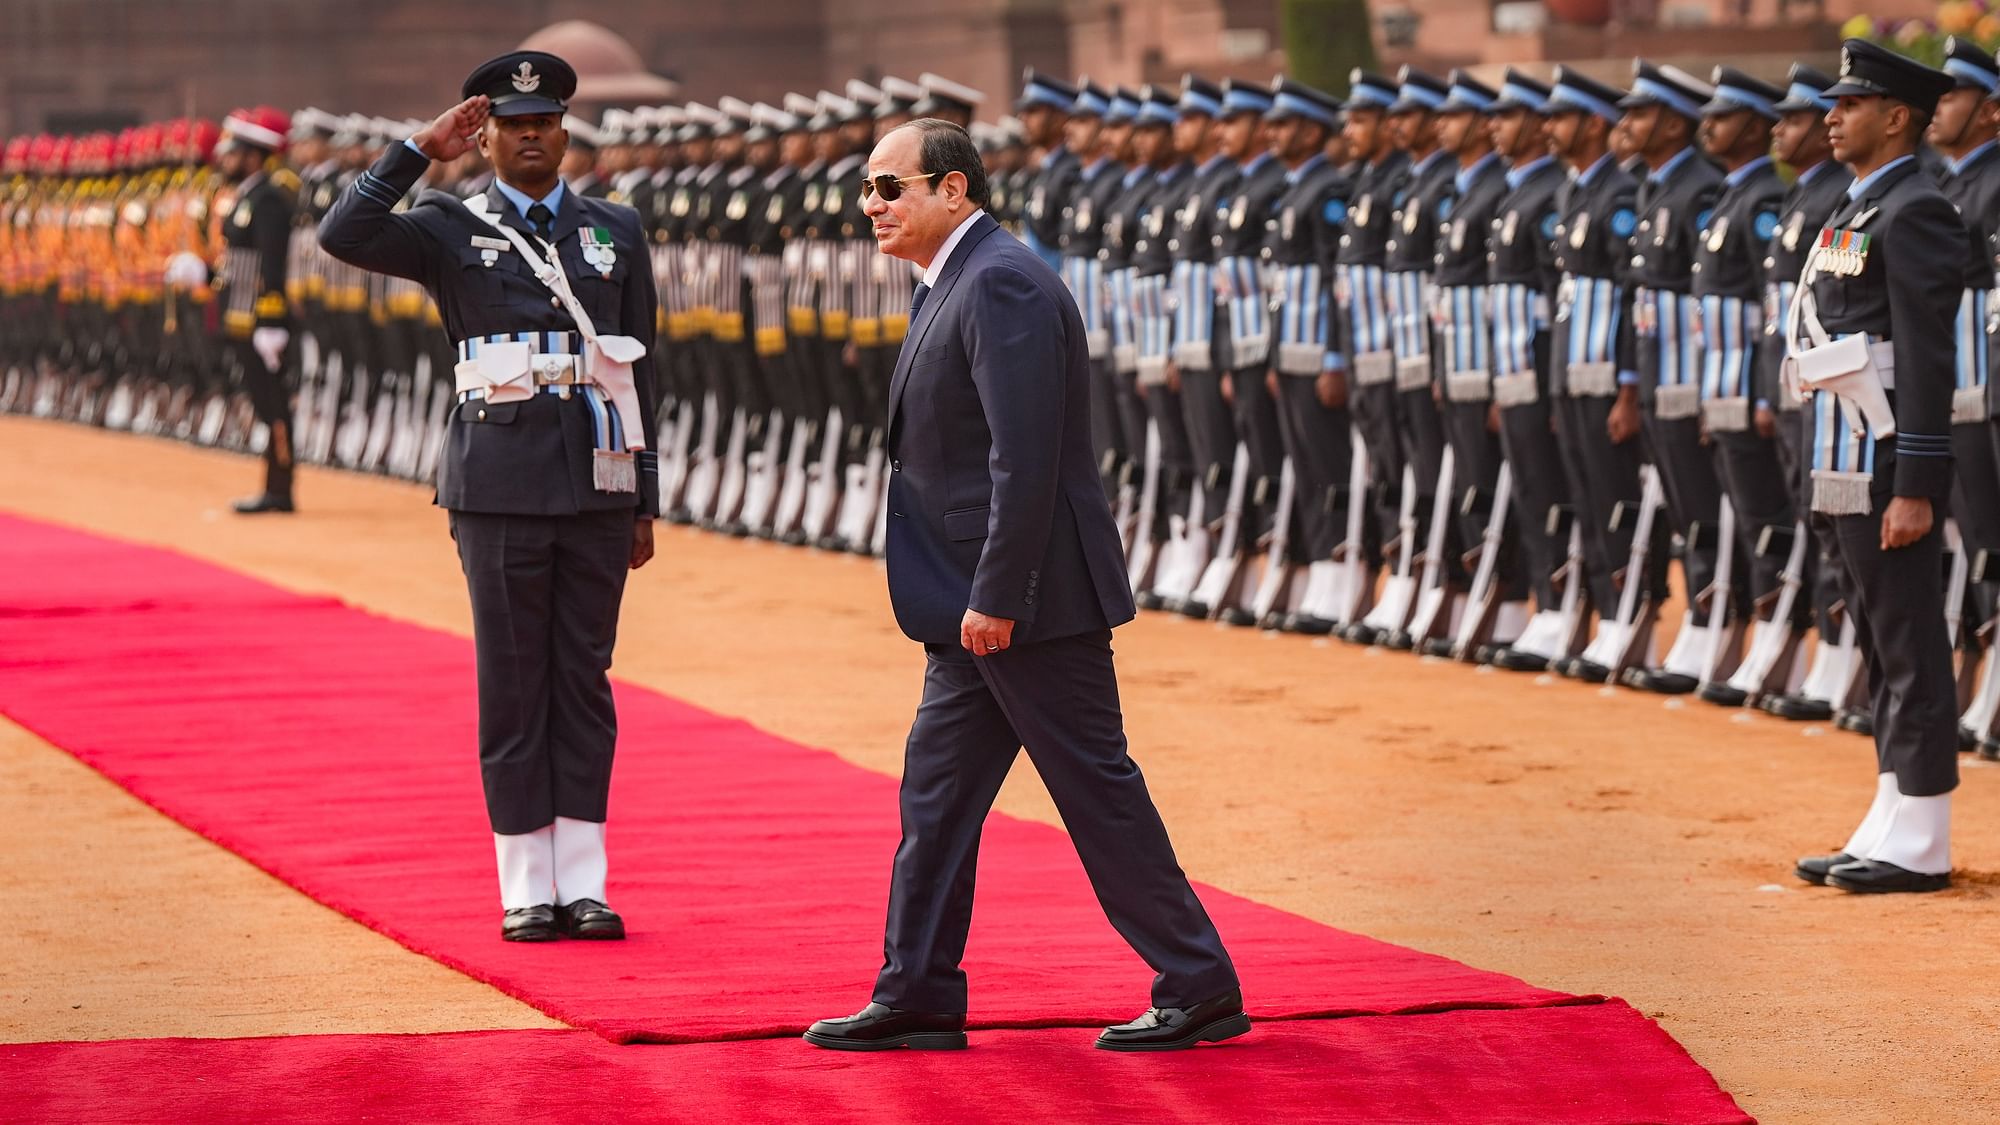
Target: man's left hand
642	542
981	635
1906	520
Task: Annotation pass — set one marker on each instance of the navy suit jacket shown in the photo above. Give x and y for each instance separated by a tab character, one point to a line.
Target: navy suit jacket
994	498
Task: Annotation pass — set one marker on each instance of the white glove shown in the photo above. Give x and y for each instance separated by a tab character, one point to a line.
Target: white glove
269	344
186	270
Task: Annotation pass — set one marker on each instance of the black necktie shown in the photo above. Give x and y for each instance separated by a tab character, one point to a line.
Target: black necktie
544	220
917	299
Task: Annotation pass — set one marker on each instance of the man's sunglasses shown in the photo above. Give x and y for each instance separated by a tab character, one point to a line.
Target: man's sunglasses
890	188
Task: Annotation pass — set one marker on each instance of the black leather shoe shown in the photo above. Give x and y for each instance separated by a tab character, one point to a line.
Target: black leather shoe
1989	749
1239	617
1856	722
1873	877
1661	681
591	920
1798	708
879	1027
1175	1029
1813	868
1305	624
529	923
1149	600
1589	671
258	505
1435	646
1191	608
1722	695
1514	660
1362	633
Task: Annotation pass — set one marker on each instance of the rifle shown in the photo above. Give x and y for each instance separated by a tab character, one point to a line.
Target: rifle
1620	642
823	484
763	471
1772	663
1143	553
1277	586
1221	578
1482	604
734	472
1400	592
1187	552
1704	654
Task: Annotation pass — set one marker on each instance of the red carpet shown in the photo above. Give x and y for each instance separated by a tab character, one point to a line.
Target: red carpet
335	750
1589	1063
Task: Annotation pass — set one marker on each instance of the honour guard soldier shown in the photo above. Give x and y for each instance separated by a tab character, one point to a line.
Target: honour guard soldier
547	469
1188	146
1728	287
580	166
1674	204
1522	279
1078	240
1044	108
1122	217
946	100
1465	340
1408	256
1592	372
256	316
1301	242
1872	343
1365	339
776	200
1963	133
1800	141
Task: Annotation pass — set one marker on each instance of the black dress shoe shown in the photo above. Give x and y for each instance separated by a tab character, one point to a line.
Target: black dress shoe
529	923
1722	695
1813	868
1435	646
258	505
1661	681
1798	708
1239	617
1514	660
1191	608
591	920
1174	1029
1873	877
1147	599
1307	625
1857	722
1362	633
1589	671
1989	749
879	1027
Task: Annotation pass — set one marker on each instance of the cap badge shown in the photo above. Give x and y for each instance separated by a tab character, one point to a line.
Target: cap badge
525	79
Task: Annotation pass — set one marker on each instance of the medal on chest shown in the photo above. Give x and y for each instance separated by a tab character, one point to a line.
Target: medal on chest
1083	214
1508	227
739	206
1287	223
1156	220
1718	234
1660	228
1793	229
680	204
1842	253
1580	231
1363	210
242	216
1410	220
775	213
598	250
833	200
812	197
1238	212
1037	202
1457	237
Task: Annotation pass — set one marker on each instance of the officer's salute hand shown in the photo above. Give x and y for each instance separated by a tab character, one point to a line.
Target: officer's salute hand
450	136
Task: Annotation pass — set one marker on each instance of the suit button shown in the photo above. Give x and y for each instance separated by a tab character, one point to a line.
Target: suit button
1028	600
895	466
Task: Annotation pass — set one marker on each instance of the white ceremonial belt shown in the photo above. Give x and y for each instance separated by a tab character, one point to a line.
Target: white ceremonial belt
1859	370
508	371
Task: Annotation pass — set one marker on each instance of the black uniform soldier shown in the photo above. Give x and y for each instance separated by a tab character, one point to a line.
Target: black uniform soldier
1963	133
1799	140
1522	280
256	317
546	469
1044	108
1674	203
1729	287
1872	341
1301	243
1592	373
1078	238
1465	339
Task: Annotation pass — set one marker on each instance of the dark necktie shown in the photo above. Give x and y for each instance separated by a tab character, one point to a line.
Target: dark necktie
917	299
544	220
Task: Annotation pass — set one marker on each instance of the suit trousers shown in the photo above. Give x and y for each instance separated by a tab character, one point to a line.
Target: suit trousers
545	597
1059	698
1899	614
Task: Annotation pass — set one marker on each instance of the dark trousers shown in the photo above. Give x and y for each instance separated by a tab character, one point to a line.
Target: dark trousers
1825	578
271	401
1256	417
1754	478
1899	613
1211	436
1320	443
1058	697
1528	438
1476	456
1694	496
1375	416
1601	477
1975	503
1107	435
1176	488
545	596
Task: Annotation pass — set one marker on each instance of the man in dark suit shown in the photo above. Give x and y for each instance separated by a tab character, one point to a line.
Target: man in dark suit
1005	563
547	467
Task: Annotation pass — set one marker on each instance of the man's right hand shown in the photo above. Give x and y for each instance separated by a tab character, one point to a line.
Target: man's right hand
1623	424
1331	388
450	136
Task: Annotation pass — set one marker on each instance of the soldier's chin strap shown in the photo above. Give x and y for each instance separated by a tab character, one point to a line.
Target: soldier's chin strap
609	359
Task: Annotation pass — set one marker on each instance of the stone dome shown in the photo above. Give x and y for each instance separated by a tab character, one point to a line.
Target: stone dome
608	69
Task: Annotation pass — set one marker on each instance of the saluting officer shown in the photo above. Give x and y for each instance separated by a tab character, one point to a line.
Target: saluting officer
1800	140
547	469
1874	346
256	316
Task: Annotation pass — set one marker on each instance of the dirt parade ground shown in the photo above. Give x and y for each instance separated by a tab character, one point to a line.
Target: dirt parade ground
1583	839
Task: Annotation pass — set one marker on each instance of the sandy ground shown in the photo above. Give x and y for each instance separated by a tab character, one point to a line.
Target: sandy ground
1583	839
